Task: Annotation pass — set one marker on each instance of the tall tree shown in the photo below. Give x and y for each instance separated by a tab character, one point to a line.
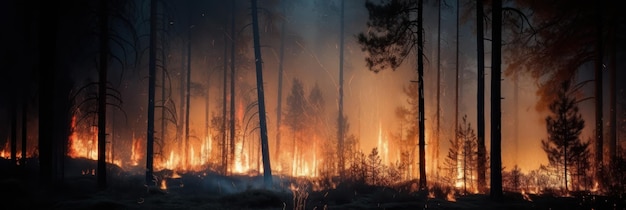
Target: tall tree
468	145
340	127
267	169
225	159
397	29
598	97
438	112
496	132
187	94
480	96
564	127
151	93
233	36
48	19
103	24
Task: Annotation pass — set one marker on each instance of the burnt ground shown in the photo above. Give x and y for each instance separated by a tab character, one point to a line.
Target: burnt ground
204	190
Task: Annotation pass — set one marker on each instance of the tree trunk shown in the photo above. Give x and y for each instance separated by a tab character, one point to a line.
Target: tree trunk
267	169
420	78
151	91
598	95
14	131
223	128
24	132
438	114
565	165
187	98
496	132
612	88
340	124
48	18
164	99
102	94
232	84
480	53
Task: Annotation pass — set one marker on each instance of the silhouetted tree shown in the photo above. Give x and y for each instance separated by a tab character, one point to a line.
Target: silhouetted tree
564	126
151	93
566	36
496	115
480	97
296	113
267	169
466	137
409	129
396	30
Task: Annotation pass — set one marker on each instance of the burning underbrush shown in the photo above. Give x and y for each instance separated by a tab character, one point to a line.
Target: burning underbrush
208	189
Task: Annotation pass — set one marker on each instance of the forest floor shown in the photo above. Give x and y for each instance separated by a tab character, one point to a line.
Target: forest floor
21	190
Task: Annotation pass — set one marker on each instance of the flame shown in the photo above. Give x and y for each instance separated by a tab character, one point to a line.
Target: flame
525	196
450	196
136	151
83	145
383	145
163	184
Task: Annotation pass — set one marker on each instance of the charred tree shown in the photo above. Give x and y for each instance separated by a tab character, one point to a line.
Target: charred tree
24	132
151	93
14	131
50	107
480	55
496	132
103	24
598	97
340	126
225	158
187	95
438	112
267	169
232	83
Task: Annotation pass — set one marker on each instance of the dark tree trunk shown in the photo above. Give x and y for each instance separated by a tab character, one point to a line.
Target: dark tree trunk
456	83
612	94
24	132
267	169
102	94
340	124
151	91
496	132
232	83
223	129
420	78
164	98
187	96
480	53
598	94
438	114
48	19
14	131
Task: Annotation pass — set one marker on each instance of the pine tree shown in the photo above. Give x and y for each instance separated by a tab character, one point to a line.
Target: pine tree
397	29
564	126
